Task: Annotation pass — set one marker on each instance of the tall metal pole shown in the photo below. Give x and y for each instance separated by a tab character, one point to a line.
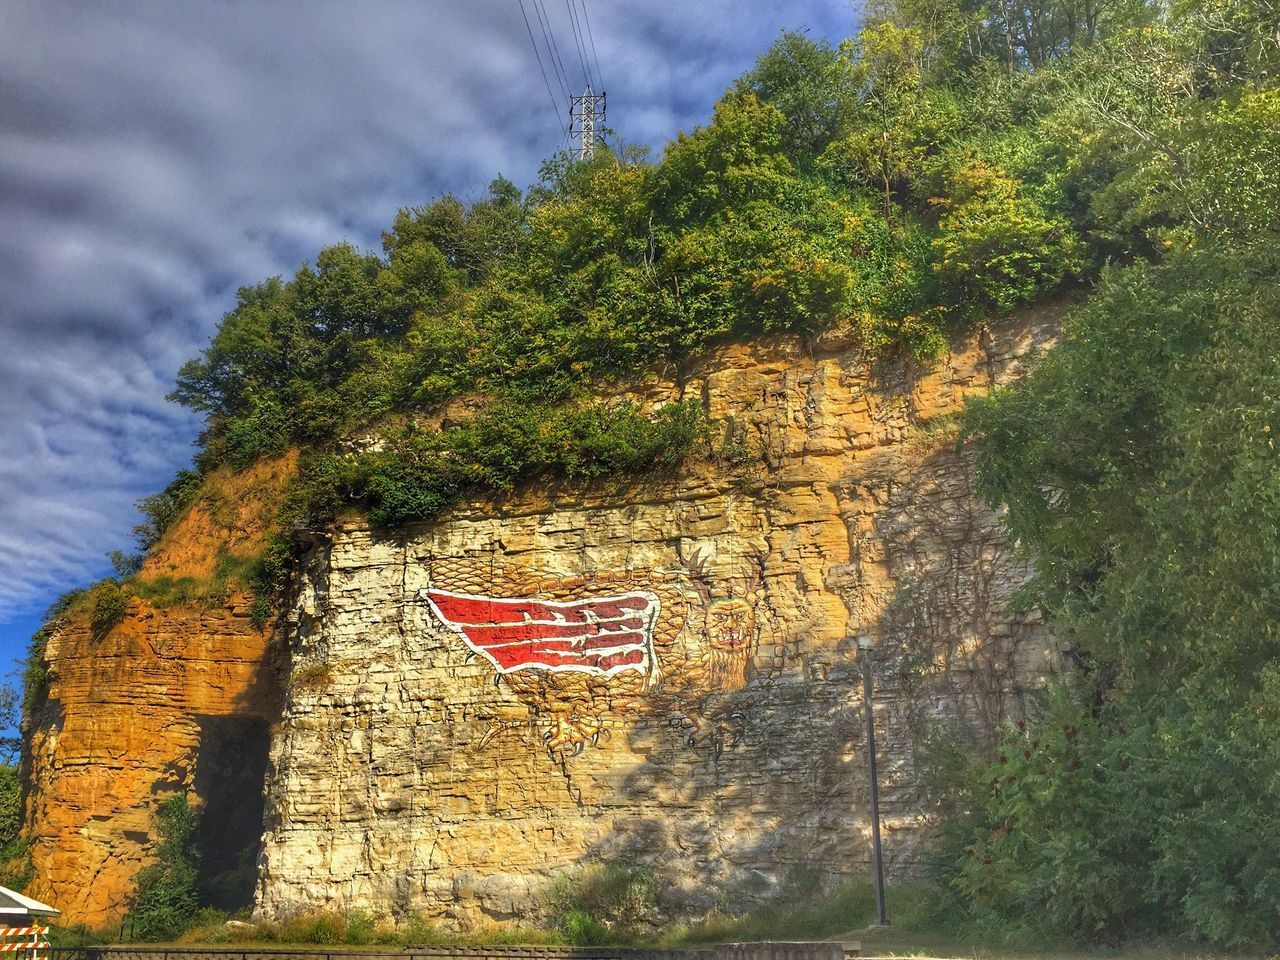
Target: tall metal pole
865	646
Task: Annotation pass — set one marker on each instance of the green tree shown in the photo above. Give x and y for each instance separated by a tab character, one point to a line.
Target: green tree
15	859
1137	461
878	141
996	245
167	894
810	83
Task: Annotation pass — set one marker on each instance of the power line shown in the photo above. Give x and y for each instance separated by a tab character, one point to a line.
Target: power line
553	48
586	116
542	27
591	36
554	105
572	10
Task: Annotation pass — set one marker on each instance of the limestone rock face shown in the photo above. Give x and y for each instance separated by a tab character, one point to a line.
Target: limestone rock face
168	700
176	697
662	671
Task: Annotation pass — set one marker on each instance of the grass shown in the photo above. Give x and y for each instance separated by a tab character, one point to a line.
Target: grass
918	929
229	571
353	929
311	676
806	915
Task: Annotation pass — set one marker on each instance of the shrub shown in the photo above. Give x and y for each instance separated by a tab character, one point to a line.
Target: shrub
164	508
167	900
420	473
311	676
996	245
125	565
1137	461
605	902
16	870
109	603
35	676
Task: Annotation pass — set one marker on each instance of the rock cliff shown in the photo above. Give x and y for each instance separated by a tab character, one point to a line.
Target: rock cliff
178	696
660	671
447	746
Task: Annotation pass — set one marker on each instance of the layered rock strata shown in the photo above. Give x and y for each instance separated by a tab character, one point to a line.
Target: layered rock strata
179	696
660	672
170	700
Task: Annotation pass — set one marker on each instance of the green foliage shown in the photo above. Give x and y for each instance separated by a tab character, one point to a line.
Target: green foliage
35	676
15	856
605	903
108	603
809	84
418	473
125	565
167	899
269	575
310	676
1138	462
164	508
997	246
804	910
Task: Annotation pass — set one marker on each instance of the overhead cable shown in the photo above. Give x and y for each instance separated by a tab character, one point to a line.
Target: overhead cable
572	10
591	37
545	79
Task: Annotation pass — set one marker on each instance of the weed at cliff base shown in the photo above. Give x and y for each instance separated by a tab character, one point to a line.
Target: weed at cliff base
604	903
804	914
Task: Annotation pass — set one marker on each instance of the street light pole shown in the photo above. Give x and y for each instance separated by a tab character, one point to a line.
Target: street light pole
865	646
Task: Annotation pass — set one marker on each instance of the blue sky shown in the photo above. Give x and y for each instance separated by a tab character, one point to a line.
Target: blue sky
157	154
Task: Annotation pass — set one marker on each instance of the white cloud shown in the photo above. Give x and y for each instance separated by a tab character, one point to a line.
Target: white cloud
158	154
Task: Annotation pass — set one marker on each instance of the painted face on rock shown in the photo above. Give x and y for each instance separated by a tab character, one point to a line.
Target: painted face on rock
729	623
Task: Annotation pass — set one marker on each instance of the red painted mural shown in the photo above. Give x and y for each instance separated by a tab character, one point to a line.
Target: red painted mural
598	635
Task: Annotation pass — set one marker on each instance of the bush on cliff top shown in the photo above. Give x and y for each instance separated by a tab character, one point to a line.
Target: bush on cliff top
761	221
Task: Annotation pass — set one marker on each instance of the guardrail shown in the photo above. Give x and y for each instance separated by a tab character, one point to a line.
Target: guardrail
800	950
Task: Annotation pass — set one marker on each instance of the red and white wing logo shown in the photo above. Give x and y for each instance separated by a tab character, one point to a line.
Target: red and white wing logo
600	635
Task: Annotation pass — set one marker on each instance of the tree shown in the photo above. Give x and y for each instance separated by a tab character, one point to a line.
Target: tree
809	82
167	895
996	245
1138	463
15	859
878	141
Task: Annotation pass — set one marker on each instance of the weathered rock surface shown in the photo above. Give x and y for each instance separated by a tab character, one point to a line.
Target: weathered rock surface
162	703
176	698
412	774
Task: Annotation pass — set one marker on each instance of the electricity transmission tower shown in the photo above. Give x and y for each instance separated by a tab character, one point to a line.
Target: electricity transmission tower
586	122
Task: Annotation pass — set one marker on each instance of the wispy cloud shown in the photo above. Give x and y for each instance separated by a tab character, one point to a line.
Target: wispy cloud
155	155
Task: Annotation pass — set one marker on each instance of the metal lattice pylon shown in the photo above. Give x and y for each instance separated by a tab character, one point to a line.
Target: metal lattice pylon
586	122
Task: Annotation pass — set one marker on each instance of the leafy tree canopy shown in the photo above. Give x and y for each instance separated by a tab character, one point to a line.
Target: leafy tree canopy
955	160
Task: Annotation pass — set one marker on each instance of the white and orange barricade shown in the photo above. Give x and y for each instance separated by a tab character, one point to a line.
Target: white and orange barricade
28	943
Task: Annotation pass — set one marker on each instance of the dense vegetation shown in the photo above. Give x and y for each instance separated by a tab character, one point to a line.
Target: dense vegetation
882	206
1139	466
168	896
955	160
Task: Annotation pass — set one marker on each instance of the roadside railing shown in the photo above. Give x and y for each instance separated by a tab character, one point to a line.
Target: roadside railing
804	950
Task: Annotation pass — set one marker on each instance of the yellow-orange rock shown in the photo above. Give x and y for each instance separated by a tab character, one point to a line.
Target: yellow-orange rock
412	775
155	706
407	776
